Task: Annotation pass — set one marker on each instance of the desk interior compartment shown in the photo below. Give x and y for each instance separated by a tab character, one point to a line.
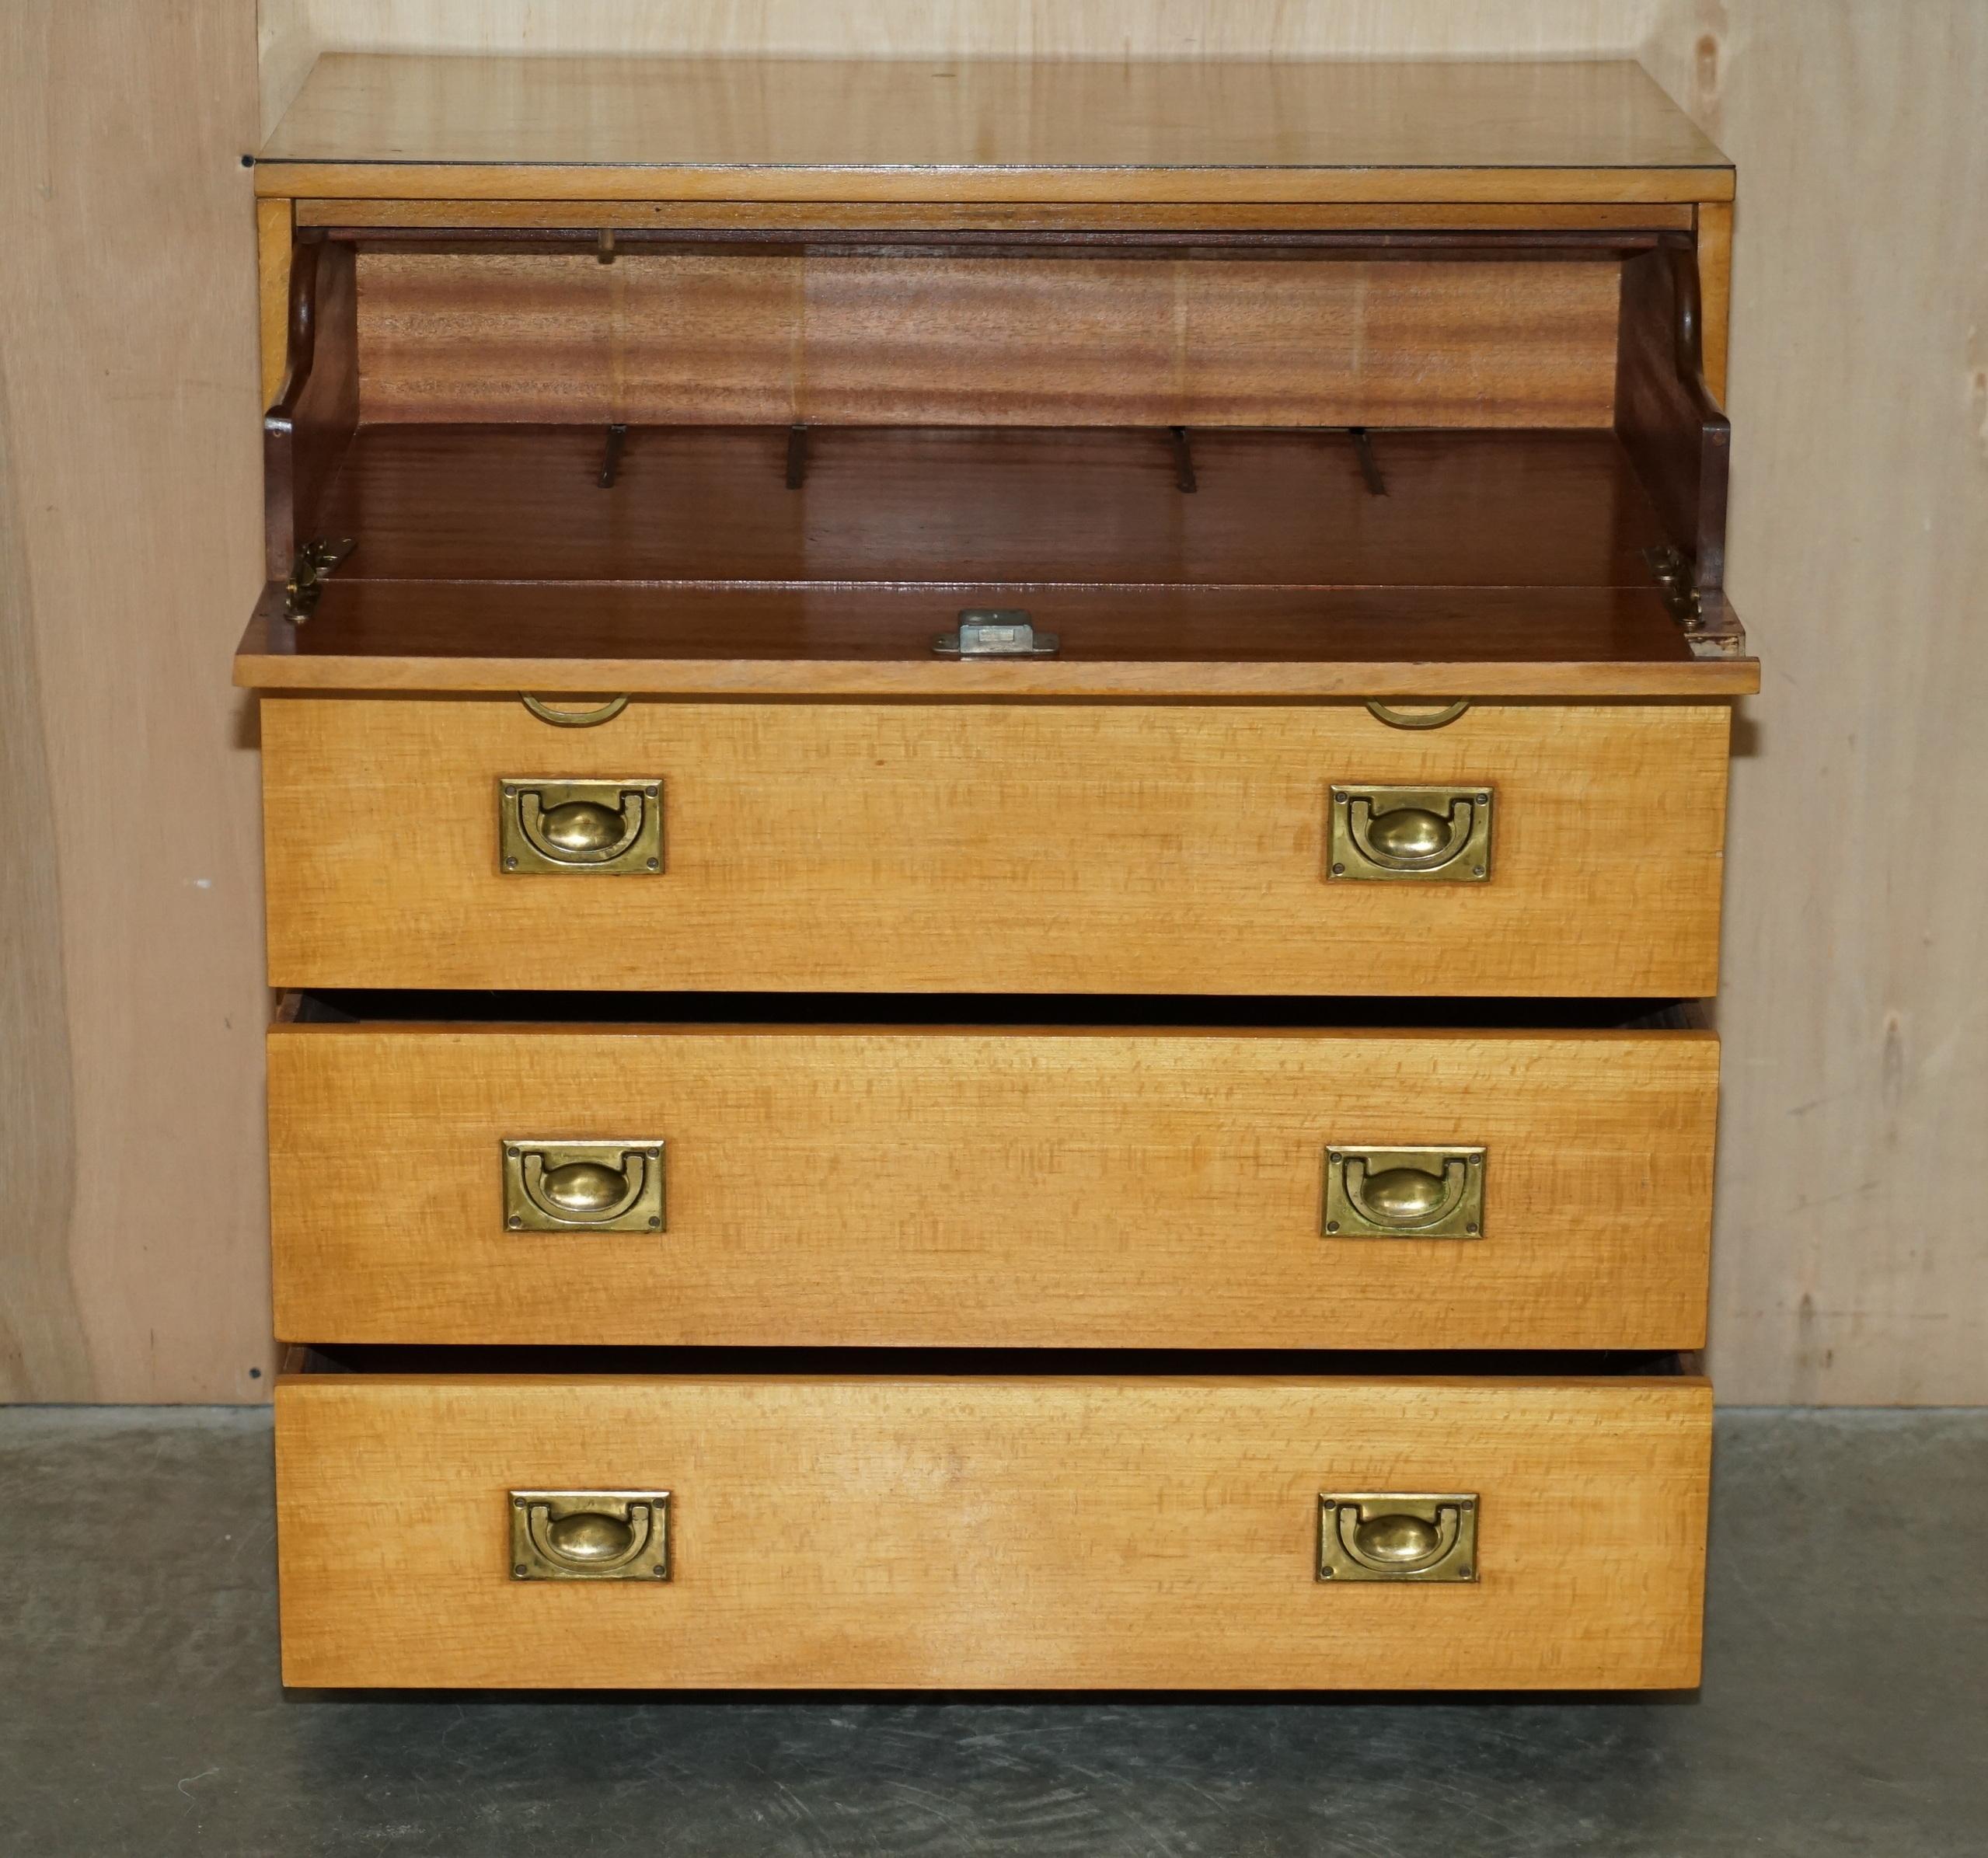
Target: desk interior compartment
1216	461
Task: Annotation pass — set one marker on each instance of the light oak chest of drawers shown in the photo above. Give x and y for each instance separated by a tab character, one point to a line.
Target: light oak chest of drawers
995	803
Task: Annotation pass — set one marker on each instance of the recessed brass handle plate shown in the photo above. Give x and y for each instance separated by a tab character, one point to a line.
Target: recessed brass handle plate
583	1186
590	1535
1404	1193
580	828
1396	1536
1411	835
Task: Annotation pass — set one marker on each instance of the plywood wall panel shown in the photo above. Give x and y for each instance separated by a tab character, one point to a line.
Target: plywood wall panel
294	32
1849	1269
1857	1048
129	1078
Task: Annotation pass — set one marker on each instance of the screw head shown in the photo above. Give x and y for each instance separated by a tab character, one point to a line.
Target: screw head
1476	870
516	1223
1331	1225
652	864
511	864
655	1225
520	1571
1339	870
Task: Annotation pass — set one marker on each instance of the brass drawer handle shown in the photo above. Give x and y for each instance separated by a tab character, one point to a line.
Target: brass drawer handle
608	828
1404	719
1439	834
1396	1536
593	1186
590	1535
573	719
1404	1193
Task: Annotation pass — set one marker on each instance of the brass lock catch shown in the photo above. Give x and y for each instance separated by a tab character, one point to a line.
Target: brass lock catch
996	632
580	827
1412	834
1404	1193
583	1186
1396	1536
590	1535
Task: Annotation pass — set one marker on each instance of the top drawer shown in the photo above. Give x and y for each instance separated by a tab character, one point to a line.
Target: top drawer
1001	847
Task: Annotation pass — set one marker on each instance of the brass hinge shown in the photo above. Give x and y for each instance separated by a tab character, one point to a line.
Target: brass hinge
1671	571
1707	623
308	570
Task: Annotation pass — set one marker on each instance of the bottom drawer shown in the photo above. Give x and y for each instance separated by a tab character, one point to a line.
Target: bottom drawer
1153	1529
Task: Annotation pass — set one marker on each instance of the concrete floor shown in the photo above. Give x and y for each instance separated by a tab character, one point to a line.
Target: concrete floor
1845	1709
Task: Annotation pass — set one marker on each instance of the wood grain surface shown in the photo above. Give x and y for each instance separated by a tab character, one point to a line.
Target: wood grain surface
131	1003
876	641
1030	505
1012	1533
294	32
1857	1072
692	339
1848	1273
995	848
985	129
817	217
996	1189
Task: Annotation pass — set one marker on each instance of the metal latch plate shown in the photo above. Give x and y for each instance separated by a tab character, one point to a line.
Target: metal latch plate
996	632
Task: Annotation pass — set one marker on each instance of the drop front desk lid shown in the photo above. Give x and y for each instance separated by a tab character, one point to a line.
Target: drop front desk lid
750	377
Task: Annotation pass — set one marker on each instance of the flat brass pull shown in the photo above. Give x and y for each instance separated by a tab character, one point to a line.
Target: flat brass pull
573	719
604	829
589	1186
590	1535
1427	833
1396	1536
1404	1193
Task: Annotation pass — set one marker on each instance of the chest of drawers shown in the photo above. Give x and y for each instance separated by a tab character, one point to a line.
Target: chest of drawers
995	805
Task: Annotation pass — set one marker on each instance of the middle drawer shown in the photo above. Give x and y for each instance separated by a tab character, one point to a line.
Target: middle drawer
1316	1186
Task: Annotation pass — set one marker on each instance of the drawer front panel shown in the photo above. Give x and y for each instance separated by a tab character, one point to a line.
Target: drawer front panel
996	848
1026	1188
851	1532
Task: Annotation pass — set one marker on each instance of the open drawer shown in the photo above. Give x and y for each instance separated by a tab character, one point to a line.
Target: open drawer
510	1520
1416	1176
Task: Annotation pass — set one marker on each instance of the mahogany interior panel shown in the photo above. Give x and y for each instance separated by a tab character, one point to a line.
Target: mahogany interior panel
1012	505
923	339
